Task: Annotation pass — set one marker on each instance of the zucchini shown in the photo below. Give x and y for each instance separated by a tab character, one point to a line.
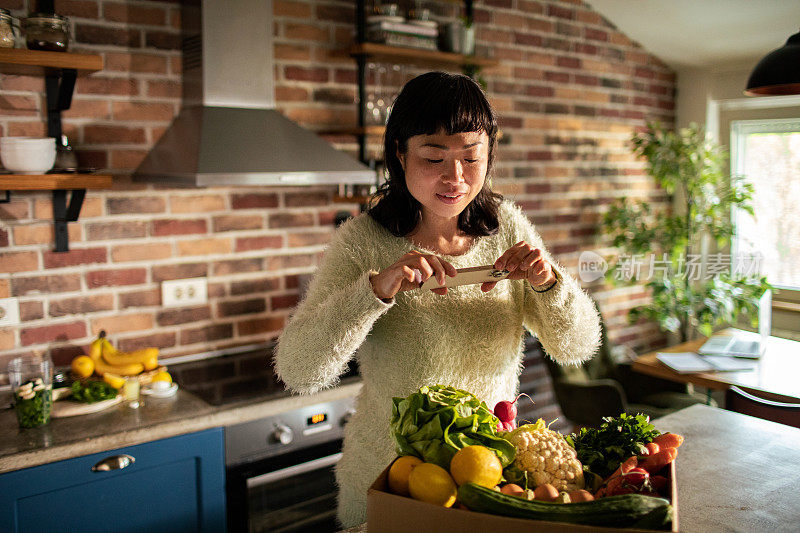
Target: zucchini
614	511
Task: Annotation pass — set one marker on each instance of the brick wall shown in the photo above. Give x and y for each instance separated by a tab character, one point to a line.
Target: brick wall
570	90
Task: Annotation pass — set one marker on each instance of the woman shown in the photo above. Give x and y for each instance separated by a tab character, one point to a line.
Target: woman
436	213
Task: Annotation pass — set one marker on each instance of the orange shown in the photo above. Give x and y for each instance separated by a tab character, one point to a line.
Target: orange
82	366
476	464
399	472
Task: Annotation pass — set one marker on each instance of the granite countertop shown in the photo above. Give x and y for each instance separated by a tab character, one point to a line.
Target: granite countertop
158	418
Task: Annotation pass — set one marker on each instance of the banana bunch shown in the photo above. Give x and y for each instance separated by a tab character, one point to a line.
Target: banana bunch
108	359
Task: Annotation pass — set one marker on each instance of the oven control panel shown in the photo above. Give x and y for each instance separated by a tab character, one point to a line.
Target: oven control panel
289	431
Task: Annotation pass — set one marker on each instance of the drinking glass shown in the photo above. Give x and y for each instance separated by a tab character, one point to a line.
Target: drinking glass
31	379
130	392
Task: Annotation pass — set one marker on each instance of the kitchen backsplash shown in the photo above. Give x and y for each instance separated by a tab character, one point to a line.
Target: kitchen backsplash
570	89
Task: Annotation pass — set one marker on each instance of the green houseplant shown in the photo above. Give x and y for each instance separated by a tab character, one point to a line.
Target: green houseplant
689	291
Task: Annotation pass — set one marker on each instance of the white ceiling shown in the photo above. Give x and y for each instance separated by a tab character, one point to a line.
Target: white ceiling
704	33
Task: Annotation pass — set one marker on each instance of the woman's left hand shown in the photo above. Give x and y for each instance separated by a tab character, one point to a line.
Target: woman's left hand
524	262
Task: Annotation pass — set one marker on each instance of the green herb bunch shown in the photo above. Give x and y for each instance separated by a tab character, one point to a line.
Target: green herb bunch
602	449
92	390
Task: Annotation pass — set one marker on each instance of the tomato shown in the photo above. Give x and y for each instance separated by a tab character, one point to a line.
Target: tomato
637	477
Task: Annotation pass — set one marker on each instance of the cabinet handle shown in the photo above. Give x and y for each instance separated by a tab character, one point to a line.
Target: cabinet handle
115	462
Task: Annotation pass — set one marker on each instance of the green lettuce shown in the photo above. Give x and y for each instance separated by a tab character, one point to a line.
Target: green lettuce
437	421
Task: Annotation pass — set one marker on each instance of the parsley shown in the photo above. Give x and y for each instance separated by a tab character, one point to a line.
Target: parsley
91	391
601	450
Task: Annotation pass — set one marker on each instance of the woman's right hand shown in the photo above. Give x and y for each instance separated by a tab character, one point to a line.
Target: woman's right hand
409	272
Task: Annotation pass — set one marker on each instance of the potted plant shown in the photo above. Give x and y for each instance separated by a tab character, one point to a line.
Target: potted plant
692	289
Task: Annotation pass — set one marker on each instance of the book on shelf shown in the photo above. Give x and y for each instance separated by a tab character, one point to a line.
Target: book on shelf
402	27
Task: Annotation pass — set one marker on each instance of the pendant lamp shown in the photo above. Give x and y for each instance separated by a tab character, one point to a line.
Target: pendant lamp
778	73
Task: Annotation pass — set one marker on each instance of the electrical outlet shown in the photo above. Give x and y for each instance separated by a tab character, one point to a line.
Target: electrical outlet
9	312
183	292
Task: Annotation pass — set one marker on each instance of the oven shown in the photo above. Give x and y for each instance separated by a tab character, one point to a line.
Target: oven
280	468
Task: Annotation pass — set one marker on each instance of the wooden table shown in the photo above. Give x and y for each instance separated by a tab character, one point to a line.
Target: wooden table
775	376
735	472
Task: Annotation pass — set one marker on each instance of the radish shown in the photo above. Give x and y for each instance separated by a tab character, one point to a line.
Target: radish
506	412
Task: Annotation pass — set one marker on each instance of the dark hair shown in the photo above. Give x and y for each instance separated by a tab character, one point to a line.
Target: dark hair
432	102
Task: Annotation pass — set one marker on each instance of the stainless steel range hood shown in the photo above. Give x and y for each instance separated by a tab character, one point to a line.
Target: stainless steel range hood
228	132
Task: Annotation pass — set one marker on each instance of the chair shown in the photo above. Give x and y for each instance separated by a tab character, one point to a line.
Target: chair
603	387
740	401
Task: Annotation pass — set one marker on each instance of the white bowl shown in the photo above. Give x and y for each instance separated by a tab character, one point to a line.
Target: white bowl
28	155
26	141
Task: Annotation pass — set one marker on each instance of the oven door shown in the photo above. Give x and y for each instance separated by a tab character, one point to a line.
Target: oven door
294	492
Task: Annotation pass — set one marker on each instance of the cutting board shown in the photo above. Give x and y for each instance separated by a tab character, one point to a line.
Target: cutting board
66	408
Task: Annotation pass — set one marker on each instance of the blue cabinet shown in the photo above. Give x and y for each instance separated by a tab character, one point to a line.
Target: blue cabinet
175	484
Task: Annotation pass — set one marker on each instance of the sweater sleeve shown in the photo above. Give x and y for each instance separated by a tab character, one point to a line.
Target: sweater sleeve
333	319
564	318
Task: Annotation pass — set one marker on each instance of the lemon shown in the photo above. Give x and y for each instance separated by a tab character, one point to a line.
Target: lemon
476	464
431	483
162	376
82	366
114	380
399	472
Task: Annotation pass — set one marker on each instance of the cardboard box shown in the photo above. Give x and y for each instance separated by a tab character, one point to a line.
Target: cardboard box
390	513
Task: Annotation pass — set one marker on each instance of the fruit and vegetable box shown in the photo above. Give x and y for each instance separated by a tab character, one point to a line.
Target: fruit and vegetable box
463	467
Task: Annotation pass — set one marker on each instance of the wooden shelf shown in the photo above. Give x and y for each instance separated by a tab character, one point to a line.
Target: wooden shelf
354	130
398	54
51	182
363	200
38	62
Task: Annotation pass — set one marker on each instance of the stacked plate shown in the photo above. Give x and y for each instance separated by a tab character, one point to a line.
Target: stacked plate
28	155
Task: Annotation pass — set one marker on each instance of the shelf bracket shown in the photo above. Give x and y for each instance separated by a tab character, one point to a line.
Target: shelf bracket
59	85
63	213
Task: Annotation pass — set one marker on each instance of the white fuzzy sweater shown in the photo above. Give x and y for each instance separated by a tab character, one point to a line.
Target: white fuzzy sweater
468	339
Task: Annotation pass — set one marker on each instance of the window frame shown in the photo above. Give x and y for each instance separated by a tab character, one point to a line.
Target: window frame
720	116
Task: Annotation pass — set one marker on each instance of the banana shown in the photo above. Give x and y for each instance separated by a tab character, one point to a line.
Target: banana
96	348
130	369
148	357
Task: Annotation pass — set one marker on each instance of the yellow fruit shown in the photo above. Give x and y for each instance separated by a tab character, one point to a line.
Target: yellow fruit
476	464
147	356
114	380
82	366
431	483
399	472
162	376
106	347
96	348
131	369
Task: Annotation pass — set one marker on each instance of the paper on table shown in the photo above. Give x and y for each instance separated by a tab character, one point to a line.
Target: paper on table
688	362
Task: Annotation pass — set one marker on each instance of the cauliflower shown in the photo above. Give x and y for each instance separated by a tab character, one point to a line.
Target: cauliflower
546	457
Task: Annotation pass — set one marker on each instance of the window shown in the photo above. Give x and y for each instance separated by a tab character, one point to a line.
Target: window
767	154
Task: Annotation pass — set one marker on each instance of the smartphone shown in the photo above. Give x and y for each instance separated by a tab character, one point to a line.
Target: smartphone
467	276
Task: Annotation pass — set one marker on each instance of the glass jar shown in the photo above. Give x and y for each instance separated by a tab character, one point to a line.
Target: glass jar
46	31
6	29
31	379
19	39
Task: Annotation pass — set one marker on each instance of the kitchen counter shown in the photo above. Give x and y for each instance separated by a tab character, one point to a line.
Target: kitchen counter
158	418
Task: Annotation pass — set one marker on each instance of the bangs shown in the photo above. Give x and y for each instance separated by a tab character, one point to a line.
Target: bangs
452	104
